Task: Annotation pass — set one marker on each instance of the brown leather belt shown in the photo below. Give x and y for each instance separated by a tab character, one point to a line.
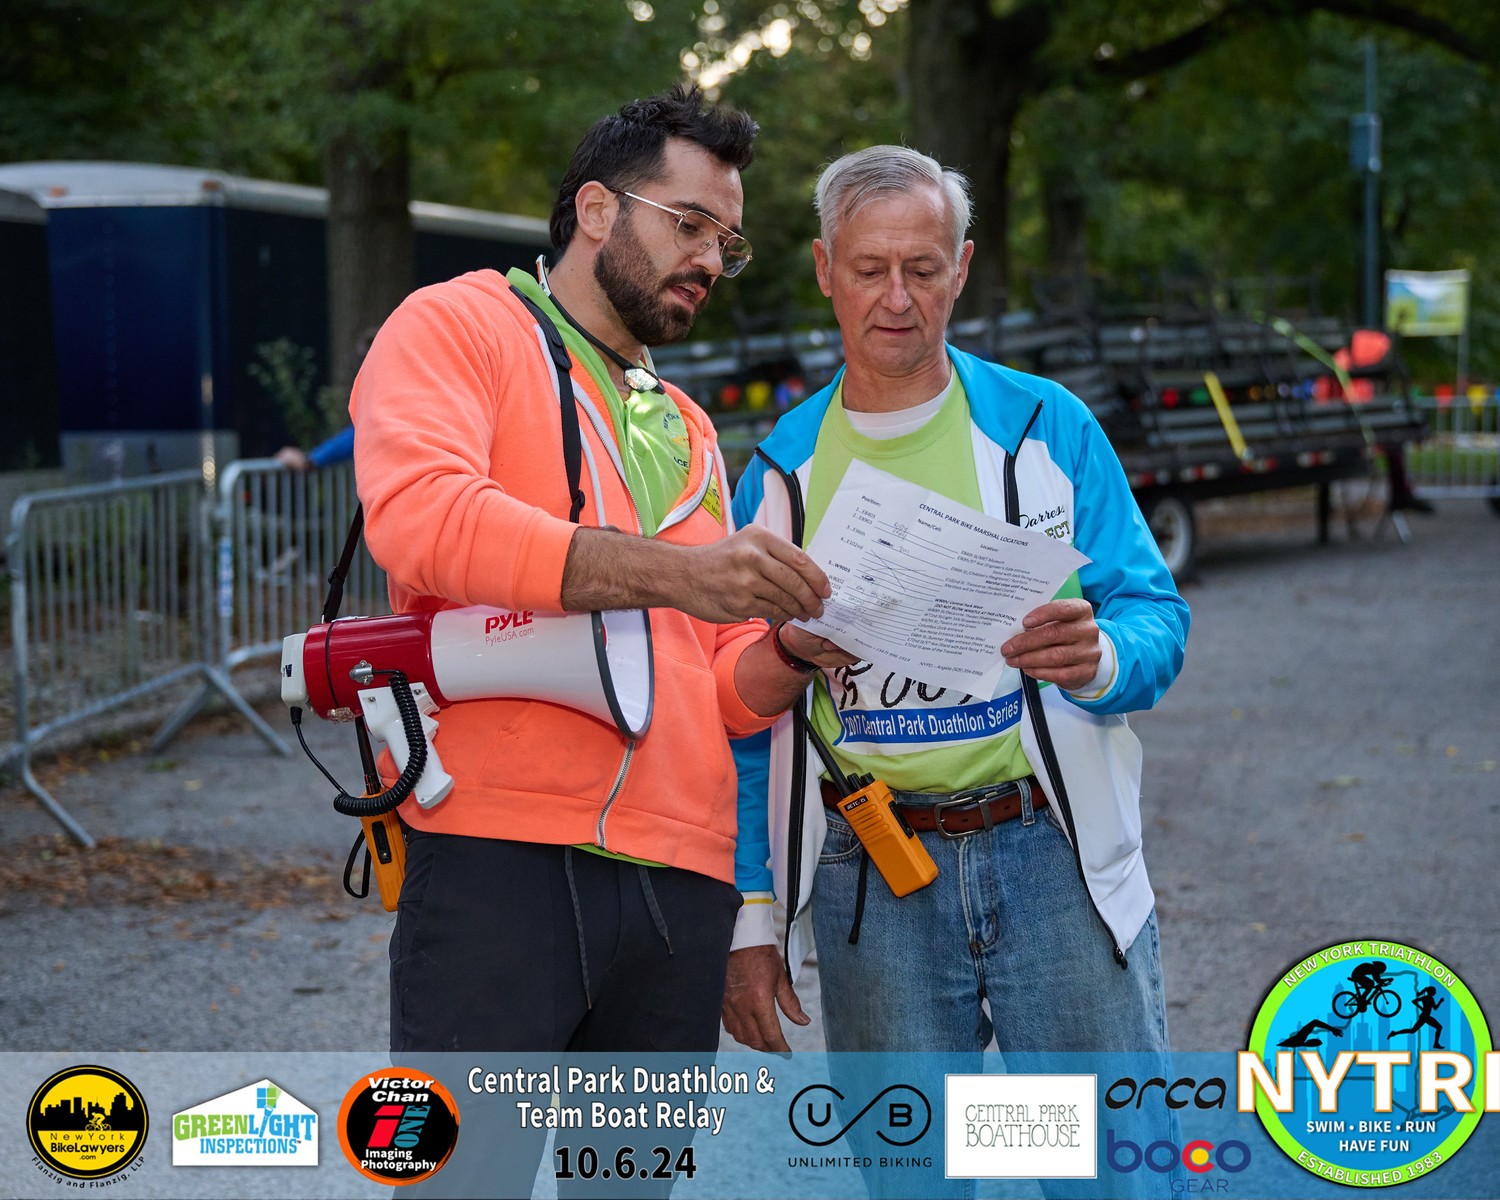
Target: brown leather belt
954	814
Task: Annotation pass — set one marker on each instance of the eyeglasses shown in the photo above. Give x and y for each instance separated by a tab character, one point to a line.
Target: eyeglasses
698	232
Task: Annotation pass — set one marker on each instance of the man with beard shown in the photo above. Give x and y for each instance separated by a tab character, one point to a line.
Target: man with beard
575	890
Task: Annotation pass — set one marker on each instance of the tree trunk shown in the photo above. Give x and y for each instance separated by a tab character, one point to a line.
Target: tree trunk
370	257
968	73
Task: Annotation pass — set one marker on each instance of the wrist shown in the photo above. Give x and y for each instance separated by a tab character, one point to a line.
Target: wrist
788	659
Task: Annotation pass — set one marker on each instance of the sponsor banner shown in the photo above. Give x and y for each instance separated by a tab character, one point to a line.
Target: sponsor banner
1426	303
258	1125
754	1126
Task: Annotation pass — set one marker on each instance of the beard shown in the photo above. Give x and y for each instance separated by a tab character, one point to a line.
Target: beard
638	302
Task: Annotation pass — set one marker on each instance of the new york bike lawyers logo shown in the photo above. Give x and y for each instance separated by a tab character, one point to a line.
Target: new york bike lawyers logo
1367	1063
88	1123
398	1125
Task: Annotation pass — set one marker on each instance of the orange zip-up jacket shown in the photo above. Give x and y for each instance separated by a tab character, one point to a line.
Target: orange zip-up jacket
458	456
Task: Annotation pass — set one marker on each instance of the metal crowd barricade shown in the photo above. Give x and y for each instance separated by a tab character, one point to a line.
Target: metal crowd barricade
279	535
1460	456
109	604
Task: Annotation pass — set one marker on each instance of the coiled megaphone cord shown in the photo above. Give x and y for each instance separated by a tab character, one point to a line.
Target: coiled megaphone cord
416	757
416	760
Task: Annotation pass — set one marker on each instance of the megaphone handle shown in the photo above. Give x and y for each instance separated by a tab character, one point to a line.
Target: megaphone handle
384	719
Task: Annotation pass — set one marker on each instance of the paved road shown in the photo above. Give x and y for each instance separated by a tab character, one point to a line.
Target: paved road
1326	768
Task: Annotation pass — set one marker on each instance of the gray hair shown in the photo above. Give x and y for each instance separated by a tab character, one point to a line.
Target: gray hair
849	183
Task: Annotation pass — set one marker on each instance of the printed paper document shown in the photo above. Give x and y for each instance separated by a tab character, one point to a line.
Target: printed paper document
928	585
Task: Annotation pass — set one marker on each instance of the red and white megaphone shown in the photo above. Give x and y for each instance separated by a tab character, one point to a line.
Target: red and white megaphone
598	663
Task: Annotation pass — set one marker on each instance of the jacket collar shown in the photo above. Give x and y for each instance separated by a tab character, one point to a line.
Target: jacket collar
1001	403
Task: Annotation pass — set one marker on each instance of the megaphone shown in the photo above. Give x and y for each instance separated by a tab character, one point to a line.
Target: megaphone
597	663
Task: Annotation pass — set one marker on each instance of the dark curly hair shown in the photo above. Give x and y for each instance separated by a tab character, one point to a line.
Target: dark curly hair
627	150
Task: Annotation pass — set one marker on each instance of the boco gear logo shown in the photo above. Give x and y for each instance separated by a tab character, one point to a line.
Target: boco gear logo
88	1123
1369	1064
398	1126
1138	1150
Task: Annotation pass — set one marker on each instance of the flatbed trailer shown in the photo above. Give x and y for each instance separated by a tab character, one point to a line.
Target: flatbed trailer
1196	407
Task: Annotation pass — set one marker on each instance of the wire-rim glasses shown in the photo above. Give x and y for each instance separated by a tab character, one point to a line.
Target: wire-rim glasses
696	232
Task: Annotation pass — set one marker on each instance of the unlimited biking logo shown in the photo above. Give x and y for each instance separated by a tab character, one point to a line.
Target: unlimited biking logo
1369	1063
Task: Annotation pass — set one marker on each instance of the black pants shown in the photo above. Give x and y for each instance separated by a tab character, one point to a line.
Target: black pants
486	953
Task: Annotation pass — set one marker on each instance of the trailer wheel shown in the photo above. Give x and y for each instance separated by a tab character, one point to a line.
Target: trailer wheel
1170	519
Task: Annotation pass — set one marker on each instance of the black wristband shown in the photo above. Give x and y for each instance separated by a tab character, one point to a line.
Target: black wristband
800	665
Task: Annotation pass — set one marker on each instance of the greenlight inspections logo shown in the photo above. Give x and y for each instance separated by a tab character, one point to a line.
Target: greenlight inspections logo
258	1125
1367	1063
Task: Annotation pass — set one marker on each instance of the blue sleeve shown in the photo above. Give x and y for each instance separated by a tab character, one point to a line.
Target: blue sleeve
752	845
338	448
1135	600
752	755
748	493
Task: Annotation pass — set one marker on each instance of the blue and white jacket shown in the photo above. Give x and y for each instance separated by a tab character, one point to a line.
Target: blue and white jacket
1038	441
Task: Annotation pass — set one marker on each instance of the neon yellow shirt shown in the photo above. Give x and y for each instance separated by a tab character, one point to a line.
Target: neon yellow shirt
917	738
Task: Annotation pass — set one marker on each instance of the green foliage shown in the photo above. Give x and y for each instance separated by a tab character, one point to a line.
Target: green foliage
73	77
813	102
287	374
1231	159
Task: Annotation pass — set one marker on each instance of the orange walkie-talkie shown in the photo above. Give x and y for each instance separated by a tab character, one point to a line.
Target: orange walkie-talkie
893	846
385	839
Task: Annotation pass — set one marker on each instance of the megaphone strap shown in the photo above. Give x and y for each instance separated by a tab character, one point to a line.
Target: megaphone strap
572	438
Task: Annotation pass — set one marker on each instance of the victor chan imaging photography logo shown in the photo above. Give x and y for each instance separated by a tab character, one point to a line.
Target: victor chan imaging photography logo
88	1122
258	1125
397	1126
1369	1063
1022	1127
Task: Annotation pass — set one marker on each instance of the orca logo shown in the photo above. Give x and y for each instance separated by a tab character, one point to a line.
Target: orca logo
1178	1094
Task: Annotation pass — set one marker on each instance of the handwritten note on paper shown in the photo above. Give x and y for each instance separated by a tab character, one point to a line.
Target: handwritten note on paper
926	584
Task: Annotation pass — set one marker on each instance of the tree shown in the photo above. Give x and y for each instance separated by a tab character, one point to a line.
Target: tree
991	60
72	77
388	94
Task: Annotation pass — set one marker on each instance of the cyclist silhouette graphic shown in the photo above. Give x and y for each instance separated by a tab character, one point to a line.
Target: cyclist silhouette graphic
1367	978
1426	1000
1371	990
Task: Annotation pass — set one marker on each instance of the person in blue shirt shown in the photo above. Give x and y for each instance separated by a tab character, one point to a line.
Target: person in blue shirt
339	448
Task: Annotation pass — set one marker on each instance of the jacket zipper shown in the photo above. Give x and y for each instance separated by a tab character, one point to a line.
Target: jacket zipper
614	794
1032	692
596	422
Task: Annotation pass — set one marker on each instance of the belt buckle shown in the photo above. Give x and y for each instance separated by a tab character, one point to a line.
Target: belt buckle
979	796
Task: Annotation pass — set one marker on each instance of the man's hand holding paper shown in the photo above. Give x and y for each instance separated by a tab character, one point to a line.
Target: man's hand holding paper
943	591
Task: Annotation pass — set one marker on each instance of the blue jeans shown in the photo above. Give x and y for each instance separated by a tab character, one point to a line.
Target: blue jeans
1003	950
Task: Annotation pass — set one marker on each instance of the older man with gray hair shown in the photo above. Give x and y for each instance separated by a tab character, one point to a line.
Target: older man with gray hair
1039	933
